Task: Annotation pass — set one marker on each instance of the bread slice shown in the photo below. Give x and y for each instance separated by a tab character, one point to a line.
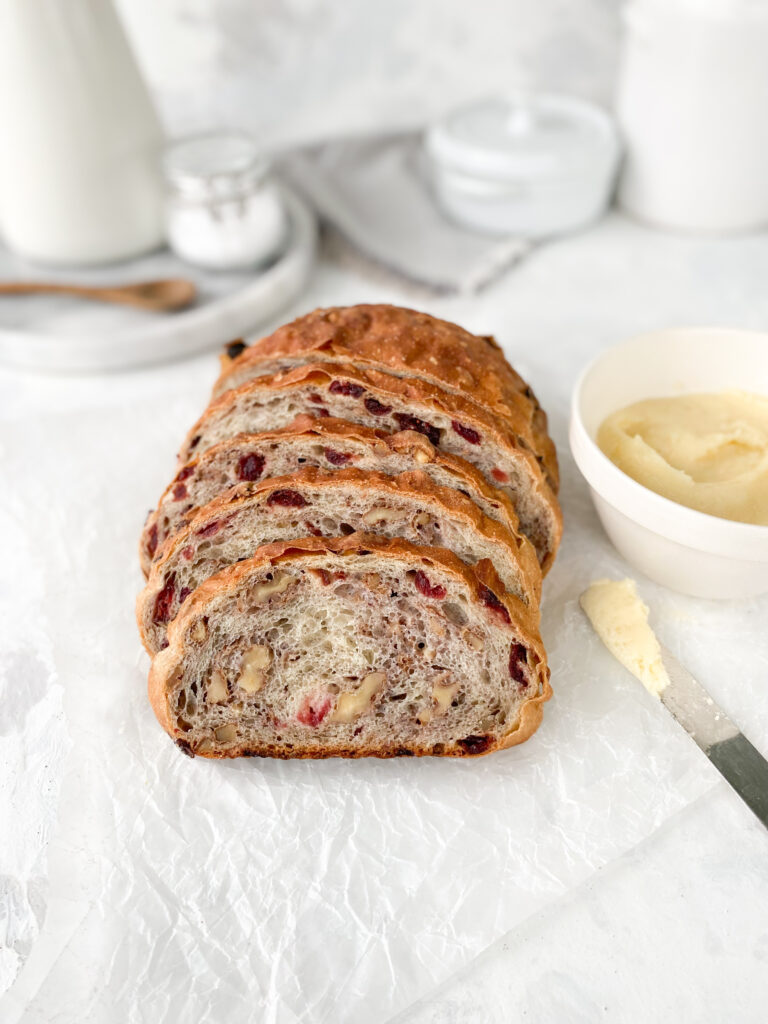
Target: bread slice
314	503
349	648
408	344
328	444
450	422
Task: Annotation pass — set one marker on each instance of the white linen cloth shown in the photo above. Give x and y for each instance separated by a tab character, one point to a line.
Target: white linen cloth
375	193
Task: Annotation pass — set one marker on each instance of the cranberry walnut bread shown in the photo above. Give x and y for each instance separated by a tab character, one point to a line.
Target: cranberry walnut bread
327	444
313	503
405	343
349	559
450	422
350	647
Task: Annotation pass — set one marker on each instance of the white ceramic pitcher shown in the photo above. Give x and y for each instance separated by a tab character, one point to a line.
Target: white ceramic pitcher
79	137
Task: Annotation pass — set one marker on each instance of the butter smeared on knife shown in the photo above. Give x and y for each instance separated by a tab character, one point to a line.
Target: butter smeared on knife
620	619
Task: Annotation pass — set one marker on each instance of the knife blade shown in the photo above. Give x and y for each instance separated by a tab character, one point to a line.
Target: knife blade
620	618
738	761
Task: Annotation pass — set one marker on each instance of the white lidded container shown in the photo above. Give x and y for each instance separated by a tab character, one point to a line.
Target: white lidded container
692	105
679	547
80	142
223	209
531	165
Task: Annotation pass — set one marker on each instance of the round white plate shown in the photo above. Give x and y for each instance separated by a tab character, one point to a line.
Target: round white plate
57	333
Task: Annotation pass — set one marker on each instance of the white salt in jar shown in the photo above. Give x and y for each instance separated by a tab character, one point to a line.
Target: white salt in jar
531	165
223	209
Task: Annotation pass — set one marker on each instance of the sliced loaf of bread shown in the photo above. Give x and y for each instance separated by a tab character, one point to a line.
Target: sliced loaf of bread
311	502
327	444
450	422
403	342
350	647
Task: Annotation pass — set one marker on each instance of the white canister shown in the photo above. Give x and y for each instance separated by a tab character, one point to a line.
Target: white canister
693	109
80	142
530	165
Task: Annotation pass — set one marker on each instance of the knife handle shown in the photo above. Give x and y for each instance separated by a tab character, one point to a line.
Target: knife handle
745	768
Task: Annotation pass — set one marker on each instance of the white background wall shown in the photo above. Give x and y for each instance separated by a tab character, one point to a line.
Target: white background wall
300	69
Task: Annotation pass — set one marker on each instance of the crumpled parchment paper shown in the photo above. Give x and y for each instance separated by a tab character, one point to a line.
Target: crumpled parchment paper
180	890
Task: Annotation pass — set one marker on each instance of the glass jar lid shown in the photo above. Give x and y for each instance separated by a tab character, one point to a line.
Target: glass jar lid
216	164
523	137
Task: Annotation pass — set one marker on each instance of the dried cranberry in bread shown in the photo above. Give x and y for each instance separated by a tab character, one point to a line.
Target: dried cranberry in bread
314	503
451	423
325	443
349	648
406	343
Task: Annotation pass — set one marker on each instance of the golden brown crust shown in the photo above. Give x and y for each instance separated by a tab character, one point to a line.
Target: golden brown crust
394	337
406	388
404	358
455	406
531	715
411	343
522	623
328	430
159	673
412	484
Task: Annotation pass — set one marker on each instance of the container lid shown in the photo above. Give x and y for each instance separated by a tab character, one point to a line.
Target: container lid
523	136
217	163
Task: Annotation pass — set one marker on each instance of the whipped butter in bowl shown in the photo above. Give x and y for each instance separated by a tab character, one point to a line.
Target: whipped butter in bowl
670	431
706	451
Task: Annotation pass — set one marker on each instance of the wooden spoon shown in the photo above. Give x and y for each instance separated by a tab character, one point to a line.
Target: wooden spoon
157	296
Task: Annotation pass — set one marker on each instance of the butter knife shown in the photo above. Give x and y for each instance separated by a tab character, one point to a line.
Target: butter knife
740	764
620	618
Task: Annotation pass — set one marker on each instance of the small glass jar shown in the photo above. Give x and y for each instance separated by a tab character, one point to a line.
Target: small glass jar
530	165
223	210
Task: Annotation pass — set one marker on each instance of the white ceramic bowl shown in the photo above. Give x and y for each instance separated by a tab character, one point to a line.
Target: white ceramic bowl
688	551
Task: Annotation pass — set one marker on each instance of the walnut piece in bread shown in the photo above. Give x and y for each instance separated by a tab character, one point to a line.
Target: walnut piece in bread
312	502
345	676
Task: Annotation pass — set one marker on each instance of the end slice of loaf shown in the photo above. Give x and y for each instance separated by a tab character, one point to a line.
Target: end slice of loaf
314	503
403	342
353	647
327	444
379	400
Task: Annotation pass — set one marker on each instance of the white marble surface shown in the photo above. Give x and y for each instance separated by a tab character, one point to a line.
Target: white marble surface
305	69
678	928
